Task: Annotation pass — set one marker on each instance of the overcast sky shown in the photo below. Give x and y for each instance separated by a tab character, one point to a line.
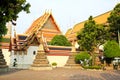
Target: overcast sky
66	13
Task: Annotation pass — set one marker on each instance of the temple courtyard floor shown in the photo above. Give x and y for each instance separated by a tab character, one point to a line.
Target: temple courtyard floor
61	74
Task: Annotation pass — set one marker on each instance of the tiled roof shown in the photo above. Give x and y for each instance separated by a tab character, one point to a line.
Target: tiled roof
44	27
69	35
101	19
38	23
69	31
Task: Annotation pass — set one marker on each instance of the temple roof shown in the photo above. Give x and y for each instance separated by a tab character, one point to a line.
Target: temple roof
100	19
39	23
69	31
44	28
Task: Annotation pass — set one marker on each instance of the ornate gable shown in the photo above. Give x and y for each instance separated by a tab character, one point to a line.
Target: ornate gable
46	26
46	21
35	42
50	24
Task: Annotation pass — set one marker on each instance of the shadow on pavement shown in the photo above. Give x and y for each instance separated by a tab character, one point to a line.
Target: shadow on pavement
10	71
83	77
108	76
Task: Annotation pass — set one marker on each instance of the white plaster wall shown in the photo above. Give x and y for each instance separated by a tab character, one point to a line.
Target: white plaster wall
6	54
60	60
24	61
30	57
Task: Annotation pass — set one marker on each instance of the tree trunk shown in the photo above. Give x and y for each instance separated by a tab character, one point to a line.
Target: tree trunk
93	58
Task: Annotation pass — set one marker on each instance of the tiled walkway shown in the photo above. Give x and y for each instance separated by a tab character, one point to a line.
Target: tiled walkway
61	74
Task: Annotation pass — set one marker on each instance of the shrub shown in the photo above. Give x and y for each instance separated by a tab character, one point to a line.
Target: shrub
82	56
60	40
54	64
111	49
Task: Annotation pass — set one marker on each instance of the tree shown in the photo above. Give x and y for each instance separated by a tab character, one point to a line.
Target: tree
92	35
82	56
9	10
60	40
114	23
111	49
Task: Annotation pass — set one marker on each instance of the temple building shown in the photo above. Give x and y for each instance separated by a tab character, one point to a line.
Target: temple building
72	32
45	27
25	46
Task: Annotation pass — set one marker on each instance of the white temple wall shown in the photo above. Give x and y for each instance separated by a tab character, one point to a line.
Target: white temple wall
24	61
30	56
6	54
60	60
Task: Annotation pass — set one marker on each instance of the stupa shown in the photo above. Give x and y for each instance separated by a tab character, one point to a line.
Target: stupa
3	66
41	62
71	60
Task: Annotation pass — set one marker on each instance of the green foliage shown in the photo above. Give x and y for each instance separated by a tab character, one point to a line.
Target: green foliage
3	29
92	35
9	10
60	40
5	40
82	56
114	22
111	49
54	64
92	67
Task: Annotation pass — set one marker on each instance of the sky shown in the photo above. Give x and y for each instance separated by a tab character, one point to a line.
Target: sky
66	13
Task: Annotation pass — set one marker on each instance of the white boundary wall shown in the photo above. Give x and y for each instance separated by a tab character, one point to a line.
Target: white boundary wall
6	54
24	61
60	60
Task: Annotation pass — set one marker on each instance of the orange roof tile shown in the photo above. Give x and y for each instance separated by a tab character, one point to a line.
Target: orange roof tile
101	19
69	31
38	23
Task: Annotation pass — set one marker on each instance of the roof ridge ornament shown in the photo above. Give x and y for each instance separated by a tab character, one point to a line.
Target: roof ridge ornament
48	11
45	11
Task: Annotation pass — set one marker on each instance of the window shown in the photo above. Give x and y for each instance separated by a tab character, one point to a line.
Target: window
34	52
22	37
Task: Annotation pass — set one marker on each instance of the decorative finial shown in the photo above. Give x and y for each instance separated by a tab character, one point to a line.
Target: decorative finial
50	11
45	11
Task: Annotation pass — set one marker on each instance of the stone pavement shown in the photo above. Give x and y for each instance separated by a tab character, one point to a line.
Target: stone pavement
60	74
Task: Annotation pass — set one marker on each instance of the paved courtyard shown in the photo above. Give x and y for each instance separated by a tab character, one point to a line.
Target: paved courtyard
60	74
